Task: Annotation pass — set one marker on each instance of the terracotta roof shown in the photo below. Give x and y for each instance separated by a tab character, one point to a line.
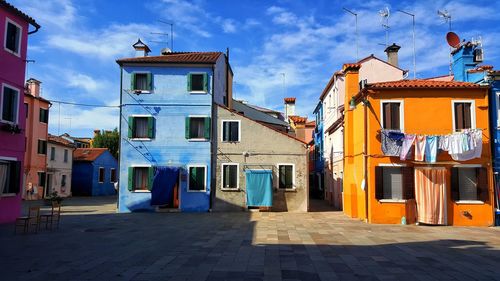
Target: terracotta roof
60	140
311	124
19	13
423	84
348	66
287	100
176	57
87	154
298	119
481	68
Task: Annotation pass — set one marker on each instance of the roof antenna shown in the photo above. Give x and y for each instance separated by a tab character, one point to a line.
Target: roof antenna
356	18
161	41
414	51
171	33
385	13
447	19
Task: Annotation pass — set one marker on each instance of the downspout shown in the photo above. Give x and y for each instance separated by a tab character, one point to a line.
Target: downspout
37	27
120	140
365	156
212	137
227	79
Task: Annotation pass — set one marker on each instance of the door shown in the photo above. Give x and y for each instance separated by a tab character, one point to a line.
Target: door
259	185
48	186
165	190
430	195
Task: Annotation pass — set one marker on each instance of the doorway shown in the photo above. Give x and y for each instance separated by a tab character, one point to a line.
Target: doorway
430	195
165	191
48	186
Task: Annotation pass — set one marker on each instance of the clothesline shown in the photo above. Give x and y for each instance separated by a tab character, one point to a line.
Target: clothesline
430	132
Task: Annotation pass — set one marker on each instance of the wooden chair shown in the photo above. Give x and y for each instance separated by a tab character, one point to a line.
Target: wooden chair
53	217
27	222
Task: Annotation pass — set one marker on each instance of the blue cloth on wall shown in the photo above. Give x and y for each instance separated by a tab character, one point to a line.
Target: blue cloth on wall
259	188
431	149
164	182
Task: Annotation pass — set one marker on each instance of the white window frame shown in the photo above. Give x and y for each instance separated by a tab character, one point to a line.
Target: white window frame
472	113
110	175
9	159
140	115
293	176
204	179
139	190
191	82
199	139
401	113
16	118
497	95
237	176
134	91
222	130
20	40
99	175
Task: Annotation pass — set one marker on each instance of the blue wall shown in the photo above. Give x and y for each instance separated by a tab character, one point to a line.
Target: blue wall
319	163
169	103
85	177
81	179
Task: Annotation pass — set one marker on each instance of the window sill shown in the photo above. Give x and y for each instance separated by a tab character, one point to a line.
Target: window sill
17	54
137	92
392	201
8	122
231	189
196	191
141	191
8	195
198	140
469	202
286	189
231	141
141	139
198	92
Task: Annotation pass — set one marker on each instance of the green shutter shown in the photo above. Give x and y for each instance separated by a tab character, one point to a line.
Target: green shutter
188	119
132	81
205	82
149	78
189	82
151	127
151	174
207	128
130	127
130	178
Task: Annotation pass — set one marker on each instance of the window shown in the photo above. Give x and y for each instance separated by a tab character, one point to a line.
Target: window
112	175
229	176
197	82
12	37
394	183
63	180
44	115
463	115
230	131
41	179
469	184
101	174
10	173
198	128
141	82
65	156
141	127
26	109
42	147
52	153
392	115
9	104
196	178
286	176
140	178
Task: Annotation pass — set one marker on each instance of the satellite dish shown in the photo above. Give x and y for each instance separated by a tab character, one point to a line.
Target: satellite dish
453	39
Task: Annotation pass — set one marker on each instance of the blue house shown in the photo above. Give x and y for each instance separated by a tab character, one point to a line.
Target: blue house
94	172
167	128
317	180
466	67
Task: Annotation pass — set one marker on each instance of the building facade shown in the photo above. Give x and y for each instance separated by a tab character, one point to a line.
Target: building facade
271	172
14	30
393	170
35	158
59	165
167	128
95	172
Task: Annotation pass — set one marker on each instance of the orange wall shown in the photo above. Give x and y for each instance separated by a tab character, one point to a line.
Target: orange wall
426	111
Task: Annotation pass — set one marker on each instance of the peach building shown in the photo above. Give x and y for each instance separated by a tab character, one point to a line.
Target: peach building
35	159
451	185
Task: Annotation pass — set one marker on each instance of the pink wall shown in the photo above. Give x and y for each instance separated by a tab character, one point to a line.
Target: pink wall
12	72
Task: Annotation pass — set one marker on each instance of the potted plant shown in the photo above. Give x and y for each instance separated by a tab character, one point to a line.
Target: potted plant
53	198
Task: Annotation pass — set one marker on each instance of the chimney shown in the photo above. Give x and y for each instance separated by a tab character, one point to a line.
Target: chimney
465	58
392	54
289	107
33	87
141	49
351	74
97	132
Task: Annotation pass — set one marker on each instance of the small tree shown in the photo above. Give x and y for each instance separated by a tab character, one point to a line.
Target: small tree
107	139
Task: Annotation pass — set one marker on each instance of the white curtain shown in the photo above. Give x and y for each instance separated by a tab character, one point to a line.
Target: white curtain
430	194
4	167
141	127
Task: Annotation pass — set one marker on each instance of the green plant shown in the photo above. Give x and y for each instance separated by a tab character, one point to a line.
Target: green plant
54	197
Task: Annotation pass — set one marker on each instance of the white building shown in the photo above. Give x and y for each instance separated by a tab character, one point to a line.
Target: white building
59	165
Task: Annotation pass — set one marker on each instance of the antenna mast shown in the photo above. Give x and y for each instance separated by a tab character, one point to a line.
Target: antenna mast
385	23
447	19
414	51
171	33
356	18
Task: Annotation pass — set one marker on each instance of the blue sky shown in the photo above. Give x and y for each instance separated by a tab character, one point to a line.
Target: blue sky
76	48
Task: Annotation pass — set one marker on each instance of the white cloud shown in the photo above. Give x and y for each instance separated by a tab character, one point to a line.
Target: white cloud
61	14
228	26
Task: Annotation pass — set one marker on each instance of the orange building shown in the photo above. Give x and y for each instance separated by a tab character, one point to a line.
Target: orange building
451	185
35	158
303	128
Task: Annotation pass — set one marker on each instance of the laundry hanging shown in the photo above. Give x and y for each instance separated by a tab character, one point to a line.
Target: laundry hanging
407	144
420	148
392	142
431	149
164	181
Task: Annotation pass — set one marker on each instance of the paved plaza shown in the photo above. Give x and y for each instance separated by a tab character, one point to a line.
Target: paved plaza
94	243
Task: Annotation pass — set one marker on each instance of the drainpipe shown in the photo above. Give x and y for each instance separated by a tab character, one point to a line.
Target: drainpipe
212	143
37	27
120	140
365	156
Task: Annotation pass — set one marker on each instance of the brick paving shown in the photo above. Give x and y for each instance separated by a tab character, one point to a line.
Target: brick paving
93	243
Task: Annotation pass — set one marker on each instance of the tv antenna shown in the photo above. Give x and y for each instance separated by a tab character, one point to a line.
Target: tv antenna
171	33
161	41
385	13
356	24
414	51
447	19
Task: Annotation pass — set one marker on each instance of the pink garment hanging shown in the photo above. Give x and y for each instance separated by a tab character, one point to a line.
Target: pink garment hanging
420	148
430	195
407	143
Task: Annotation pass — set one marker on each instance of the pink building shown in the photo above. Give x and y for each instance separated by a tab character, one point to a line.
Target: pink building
14	30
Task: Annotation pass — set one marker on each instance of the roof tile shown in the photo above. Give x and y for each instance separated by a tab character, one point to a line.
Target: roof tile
175	57
87	154
423	84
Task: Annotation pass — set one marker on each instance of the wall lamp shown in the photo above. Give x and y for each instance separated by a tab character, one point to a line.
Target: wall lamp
352	103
